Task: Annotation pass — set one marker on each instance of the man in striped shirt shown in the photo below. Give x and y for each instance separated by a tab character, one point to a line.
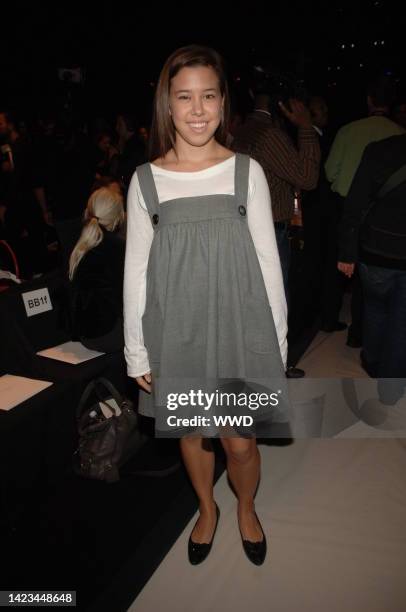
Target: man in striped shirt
287	168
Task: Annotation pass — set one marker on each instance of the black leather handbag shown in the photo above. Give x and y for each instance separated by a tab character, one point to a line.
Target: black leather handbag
108	432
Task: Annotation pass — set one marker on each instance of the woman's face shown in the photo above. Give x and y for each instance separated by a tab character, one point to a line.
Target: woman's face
196	104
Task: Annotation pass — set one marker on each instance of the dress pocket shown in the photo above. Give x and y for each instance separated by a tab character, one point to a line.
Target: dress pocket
260	335
152	331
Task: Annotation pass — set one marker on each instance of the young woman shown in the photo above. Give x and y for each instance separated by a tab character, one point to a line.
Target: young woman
96	270
202	270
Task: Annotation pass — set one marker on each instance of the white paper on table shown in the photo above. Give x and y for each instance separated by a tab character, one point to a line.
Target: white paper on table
16	389
70	352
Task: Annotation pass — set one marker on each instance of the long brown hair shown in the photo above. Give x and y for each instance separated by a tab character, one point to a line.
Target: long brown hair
162	136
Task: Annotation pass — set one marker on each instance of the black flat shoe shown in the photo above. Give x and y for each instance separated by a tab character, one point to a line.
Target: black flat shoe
255	551
198	552
292	372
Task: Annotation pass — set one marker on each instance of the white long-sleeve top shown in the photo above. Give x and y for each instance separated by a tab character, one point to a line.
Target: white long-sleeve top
218	179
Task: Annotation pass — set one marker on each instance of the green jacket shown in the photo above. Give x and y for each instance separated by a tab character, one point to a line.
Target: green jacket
349	145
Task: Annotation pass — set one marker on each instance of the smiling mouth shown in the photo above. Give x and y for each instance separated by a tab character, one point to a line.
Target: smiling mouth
198	126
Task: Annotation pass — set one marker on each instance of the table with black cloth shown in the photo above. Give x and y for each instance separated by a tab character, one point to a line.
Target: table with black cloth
37	440
22	337
38	437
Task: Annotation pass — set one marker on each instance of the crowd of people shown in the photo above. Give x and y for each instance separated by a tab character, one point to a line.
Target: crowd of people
336	196
47	175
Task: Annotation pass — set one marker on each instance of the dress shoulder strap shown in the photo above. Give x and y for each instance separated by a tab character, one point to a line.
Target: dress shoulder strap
241	176
148	189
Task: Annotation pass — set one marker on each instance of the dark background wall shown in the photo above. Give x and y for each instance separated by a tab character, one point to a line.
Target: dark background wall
121	47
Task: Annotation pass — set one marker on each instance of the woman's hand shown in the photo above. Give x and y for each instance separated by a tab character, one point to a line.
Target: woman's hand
145	381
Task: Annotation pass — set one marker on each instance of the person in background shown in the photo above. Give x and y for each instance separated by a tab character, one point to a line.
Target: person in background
319	113
319	213
69	185
399	111
124	129
235	122
287	168
373	238
133	146
143	135
343	161
107	157
96	270
107	181
22	195
115	185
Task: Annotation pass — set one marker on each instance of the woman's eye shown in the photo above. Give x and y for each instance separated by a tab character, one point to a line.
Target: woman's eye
207	96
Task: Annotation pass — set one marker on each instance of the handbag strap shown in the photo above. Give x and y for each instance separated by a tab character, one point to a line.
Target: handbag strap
113	391
93	386
396	179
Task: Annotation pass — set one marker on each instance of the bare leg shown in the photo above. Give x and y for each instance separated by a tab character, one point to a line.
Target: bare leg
243	467
198	457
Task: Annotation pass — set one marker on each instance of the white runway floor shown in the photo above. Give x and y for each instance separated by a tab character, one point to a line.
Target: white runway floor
334	511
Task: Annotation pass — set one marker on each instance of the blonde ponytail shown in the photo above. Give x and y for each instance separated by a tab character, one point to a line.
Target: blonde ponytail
90	237
104	209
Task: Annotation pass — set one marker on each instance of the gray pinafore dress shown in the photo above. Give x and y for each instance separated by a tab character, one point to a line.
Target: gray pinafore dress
207	318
